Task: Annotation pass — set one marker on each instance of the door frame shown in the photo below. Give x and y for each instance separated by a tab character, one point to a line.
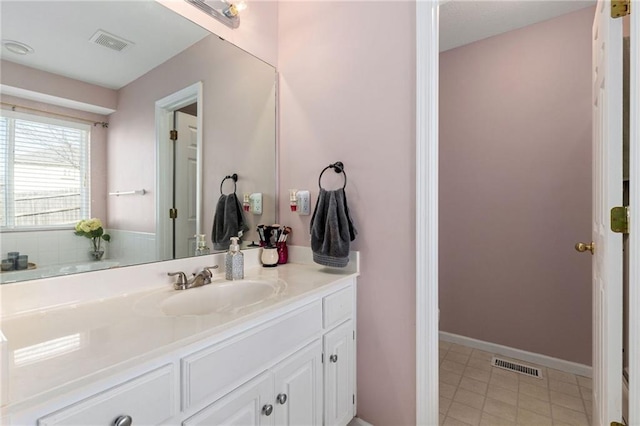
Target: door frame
164	109
634	207
427	63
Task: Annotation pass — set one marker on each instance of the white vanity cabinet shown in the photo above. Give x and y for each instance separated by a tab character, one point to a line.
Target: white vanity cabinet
291	365
288	394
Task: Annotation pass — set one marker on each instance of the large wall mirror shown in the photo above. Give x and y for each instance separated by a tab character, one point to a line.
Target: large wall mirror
90	92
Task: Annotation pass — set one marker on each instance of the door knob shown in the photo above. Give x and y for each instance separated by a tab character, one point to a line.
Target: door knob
333	358
123	421
582	247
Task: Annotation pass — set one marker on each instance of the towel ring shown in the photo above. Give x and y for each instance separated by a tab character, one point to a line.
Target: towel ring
337	167
233	177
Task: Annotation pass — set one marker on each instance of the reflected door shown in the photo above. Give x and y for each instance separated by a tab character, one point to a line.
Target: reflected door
185	185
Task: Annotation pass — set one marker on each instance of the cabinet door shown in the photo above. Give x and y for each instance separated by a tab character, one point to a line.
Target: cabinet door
338	375
298	390
249	405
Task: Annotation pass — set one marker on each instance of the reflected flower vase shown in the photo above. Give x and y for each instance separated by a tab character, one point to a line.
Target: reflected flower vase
96	252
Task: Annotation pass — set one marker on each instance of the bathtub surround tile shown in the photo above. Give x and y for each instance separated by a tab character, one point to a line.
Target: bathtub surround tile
500	409
464	413
469	398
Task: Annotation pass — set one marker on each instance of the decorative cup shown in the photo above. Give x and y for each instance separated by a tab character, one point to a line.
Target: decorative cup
269	256
283	252
22	262
8	264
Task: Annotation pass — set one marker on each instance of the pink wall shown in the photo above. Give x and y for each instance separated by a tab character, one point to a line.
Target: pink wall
257	33
347	93
515	188
238	135
23	77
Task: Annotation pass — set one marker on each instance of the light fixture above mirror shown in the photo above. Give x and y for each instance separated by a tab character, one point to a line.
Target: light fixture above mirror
225	11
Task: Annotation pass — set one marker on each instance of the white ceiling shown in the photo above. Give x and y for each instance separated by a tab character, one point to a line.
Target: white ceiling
59	31
463	22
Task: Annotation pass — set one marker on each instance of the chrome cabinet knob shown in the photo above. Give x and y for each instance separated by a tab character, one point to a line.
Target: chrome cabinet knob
123	421
281	398
333	358
267	410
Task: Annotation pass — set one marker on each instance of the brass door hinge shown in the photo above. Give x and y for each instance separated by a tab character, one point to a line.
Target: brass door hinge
173	213
173	135
620	8
620	220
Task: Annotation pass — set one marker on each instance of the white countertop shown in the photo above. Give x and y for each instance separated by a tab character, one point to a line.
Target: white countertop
56	350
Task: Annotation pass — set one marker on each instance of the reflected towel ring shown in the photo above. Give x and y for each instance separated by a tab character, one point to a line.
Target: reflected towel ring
337	167
233	177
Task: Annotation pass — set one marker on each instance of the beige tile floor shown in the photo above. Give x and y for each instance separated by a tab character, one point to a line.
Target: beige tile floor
472	392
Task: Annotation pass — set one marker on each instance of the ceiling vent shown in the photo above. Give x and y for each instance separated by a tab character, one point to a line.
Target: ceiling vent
110	41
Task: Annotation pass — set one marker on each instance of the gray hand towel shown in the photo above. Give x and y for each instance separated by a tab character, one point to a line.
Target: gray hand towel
332	229
228	221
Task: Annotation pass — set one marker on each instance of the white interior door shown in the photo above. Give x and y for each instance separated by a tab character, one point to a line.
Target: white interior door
607	193
186	163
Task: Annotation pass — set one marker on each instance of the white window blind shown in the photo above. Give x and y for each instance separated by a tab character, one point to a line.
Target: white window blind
44	167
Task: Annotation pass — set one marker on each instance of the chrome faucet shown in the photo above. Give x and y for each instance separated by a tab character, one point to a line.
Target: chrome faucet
197	280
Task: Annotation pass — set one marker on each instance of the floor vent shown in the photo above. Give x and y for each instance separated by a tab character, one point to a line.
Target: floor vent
518	368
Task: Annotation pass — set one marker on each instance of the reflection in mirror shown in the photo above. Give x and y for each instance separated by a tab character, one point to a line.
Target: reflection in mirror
84	133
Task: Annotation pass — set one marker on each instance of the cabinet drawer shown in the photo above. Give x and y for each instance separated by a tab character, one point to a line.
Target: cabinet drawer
147	399
337	307
211	372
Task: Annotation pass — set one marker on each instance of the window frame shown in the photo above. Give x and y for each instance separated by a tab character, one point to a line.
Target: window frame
85	169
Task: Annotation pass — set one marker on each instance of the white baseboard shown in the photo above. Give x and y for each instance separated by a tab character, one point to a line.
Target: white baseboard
539	359
358	422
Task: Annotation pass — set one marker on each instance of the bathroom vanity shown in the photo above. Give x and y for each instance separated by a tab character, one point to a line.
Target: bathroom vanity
276	349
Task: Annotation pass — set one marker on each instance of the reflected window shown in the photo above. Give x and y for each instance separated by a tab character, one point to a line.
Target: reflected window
44	170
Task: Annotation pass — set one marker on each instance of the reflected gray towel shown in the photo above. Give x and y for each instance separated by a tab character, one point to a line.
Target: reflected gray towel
228	221
332	229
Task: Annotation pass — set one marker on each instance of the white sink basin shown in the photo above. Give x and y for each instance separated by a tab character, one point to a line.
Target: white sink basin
215	298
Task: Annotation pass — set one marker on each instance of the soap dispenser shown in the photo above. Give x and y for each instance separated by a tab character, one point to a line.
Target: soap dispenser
201	245
234	263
